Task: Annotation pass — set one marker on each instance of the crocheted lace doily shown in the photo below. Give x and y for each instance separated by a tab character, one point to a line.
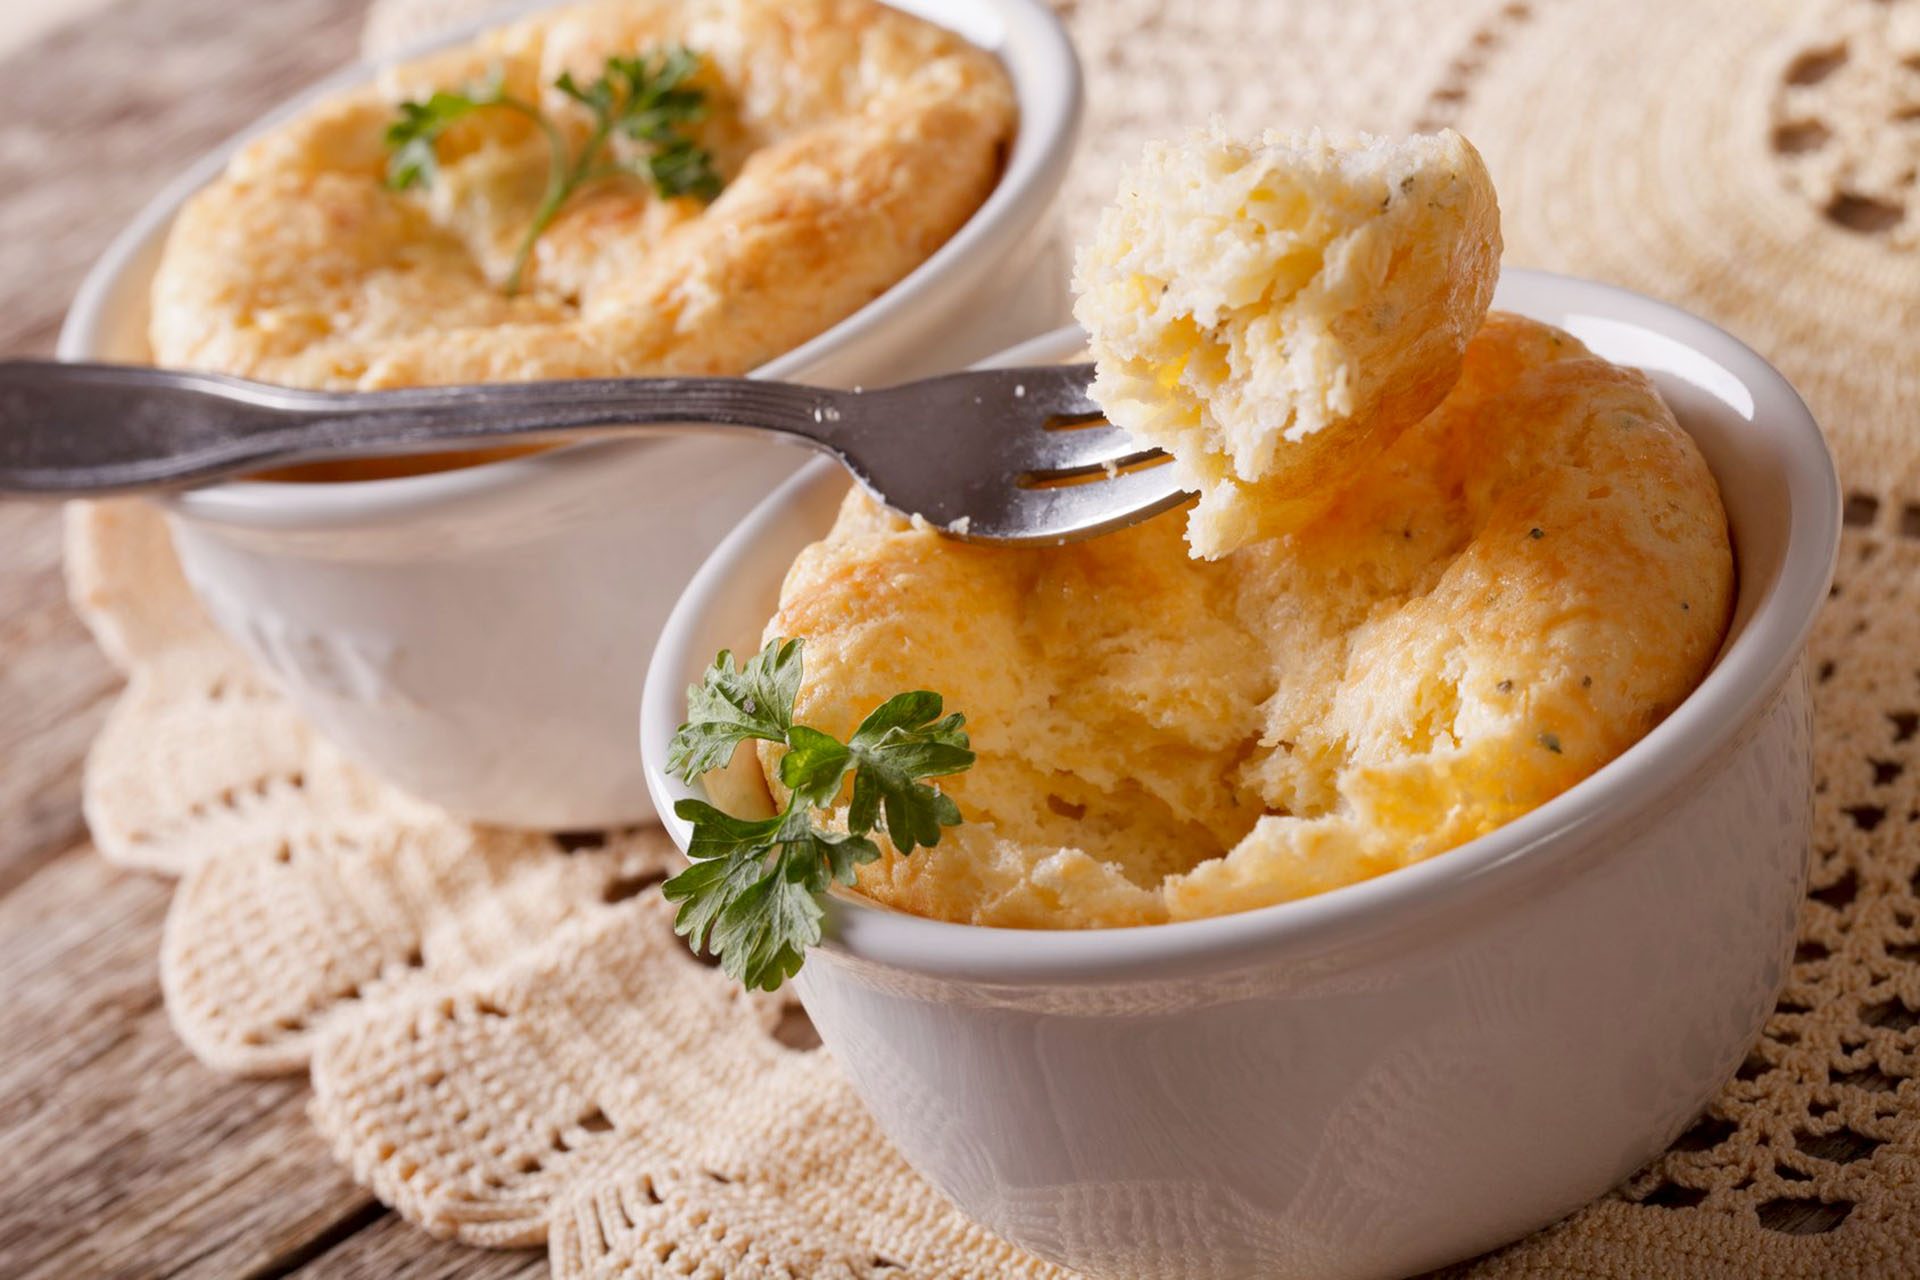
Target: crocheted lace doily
508	1045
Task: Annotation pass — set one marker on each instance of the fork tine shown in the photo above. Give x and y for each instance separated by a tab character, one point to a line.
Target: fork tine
1057	454
1058	430
1019	516
986	485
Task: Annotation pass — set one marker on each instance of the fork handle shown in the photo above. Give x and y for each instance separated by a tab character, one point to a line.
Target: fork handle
74	429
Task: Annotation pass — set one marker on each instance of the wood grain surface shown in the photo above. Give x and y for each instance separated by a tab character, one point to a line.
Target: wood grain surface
125	1157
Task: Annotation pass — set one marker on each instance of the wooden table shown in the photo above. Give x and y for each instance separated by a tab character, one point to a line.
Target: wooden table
119	1154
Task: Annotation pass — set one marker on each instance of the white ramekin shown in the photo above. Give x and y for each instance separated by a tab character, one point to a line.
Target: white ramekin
479	636
1400	1073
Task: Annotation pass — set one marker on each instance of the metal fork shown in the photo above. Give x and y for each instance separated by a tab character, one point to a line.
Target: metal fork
1002	455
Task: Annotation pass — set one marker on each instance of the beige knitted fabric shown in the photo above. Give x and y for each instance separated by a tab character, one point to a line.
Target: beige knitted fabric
508	1044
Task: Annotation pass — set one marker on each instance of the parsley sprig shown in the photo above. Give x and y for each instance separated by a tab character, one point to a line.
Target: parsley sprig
649	103
753	894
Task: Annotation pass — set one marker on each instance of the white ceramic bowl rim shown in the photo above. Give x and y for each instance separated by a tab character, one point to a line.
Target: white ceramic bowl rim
1049	101
1535	845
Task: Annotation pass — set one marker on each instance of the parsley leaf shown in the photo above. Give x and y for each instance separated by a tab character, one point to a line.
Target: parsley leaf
414	135
646	103
722	851
753	894
728	707
815	765
679	168
902	742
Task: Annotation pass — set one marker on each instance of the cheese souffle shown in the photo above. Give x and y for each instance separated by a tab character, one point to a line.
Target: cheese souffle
1511	564
1274	313
847	140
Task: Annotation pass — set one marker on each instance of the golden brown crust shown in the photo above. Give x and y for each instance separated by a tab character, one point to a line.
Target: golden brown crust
856	140
1162	738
